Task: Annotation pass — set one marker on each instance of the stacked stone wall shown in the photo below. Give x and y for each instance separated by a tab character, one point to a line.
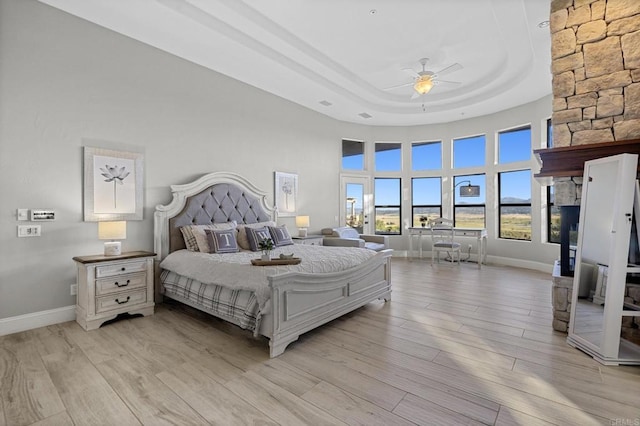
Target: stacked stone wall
595	52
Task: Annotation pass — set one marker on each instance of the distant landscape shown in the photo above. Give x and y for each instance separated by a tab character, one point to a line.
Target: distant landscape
515	220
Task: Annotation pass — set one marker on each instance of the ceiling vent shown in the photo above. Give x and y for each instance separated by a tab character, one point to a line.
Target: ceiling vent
325	103
365	115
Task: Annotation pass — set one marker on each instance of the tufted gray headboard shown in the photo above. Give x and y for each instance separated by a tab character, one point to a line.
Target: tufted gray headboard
216	197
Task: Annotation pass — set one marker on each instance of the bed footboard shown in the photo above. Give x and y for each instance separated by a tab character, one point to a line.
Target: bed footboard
302	301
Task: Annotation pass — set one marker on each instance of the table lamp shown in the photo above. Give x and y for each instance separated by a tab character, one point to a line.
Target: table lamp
302	222
112	231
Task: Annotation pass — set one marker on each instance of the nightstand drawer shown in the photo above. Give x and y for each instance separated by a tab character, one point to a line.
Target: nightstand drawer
120	268
120	283
121	300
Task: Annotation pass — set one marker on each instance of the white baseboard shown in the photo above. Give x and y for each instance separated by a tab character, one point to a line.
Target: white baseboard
491	260
37	319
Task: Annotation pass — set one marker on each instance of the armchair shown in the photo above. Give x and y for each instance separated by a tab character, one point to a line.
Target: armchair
347	236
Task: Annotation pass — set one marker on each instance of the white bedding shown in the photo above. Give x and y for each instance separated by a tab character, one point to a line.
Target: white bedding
234	270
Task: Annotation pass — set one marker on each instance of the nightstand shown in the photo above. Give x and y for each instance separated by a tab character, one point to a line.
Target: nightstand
113	285
310	240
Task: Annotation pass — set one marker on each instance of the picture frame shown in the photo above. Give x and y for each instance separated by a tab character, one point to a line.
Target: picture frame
113	185
286	193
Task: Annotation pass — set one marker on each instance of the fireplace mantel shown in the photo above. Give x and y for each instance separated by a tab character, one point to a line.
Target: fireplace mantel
568	161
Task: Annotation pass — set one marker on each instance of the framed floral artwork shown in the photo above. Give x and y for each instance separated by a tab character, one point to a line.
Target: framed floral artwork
286	193
113	185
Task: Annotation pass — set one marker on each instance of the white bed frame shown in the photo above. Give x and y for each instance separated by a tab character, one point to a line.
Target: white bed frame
299	301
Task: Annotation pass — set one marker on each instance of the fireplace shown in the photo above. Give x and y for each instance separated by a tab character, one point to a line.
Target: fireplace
569	218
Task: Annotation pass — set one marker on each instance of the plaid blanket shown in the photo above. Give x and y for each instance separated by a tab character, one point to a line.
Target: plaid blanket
239	305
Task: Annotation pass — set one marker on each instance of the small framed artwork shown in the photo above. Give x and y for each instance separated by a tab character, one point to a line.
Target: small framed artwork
113	185
286	193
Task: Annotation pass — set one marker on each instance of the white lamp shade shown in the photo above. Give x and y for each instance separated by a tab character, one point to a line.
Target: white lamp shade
302	221
112	230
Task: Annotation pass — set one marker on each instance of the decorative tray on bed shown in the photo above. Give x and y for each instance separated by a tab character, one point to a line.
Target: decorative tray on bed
289	261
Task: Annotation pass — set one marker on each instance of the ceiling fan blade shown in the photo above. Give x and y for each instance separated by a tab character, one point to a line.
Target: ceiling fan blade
413	73
398	86
449	69
447	82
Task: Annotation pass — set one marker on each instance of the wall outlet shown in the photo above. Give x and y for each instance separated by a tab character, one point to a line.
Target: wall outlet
470	247
73	289
29	231
22	214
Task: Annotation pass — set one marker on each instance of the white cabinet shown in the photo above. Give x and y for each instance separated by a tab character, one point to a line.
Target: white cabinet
310	240
112	285
609	198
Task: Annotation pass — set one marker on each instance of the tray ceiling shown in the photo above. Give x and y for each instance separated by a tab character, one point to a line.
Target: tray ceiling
337	57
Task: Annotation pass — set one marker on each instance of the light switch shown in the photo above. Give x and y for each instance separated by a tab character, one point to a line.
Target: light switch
23	214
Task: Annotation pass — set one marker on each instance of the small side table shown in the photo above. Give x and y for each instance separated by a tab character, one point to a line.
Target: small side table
113	285
310	240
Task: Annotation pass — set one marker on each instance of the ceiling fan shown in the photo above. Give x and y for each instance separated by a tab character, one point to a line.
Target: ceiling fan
423	81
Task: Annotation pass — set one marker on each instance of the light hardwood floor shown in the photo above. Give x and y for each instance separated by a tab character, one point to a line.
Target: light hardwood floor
457	345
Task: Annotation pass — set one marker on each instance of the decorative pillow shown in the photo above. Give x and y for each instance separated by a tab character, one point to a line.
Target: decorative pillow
280	235
196	240
222	241
255	235
243	242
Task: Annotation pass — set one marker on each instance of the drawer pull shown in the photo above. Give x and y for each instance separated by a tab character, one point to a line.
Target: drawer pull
122	285
124	301
123	269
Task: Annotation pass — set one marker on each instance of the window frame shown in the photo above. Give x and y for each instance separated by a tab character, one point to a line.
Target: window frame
387	206
501	204
414	206
453	198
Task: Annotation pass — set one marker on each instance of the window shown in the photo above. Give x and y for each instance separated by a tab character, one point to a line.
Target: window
388	157
426	156
514	219
387	205
514	145
352	155
469	152
426	201
553	218
469	212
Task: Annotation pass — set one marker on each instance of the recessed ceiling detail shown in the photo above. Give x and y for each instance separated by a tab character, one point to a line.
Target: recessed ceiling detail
334	49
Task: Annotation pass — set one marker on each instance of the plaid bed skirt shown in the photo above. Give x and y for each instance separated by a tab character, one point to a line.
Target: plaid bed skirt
239	305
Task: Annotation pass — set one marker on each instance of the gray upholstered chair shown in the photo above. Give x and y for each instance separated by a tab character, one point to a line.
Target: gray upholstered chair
442	233
347	236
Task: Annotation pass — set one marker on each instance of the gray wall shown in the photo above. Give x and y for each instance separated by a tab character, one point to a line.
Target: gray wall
66	83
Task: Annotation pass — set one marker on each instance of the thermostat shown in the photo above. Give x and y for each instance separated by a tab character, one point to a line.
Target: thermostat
37	215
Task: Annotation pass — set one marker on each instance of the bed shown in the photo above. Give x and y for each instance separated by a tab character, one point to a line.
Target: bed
278	302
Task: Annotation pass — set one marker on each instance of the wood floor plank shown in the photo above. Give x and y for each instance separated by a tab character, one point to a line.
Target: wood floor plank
349	408
509	417
60	419
281	405
438	393
26	389
346	378
150	400
215	403
89	399
423	412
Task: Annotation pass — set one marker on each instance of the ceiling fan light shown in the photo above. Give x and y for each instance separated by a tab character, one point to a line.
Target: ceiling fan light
423	85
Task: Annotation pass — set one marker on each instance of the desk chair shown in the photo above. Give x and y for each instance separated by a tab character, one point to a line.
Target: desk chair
442	239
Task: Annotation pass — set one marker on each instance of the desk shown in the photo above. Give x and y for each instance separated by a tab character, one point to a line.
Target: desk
480	234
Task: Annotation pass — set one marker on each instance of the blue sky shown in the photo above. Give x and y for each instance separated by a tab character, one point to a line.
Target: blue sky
513	146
